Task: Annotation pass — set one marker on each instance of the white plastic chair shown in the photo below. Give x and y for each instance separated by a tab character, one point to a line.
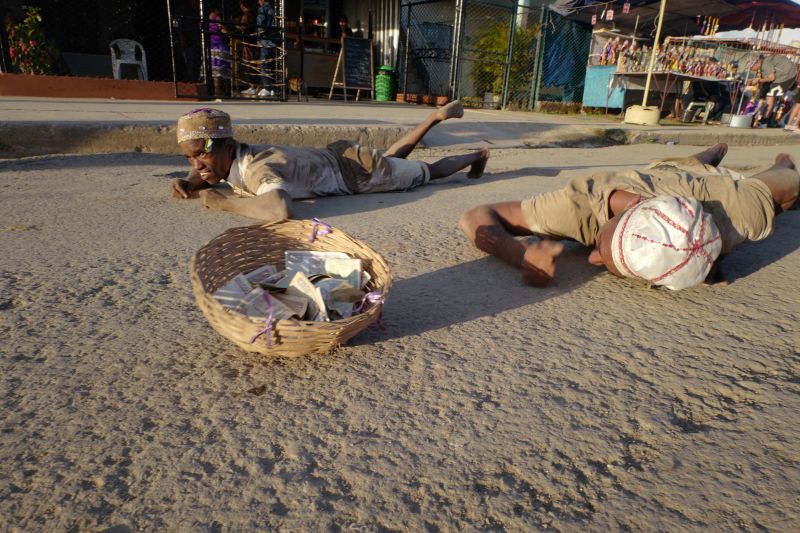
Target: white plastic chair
127	52
695	108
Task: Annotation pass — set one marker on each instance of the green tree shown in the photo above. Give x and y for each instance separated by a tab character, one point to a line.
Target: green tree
28	48
492	50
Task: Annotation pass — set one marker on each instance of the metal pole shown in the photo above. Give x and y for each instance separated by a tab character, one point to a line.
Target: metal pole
455	67
408	43
654	53
172	49
5	60
534	74
742	87
540	49
205	45
509	58
282	59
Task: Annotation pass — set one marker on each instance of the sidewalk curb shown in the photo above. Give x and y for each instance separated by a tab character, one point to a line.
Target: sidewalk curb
30	139
21	139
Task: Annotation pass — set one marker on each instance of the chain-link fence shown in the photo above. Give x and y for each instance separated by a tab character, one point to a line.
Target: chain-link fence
492	54
426	47
564	53
496	54
242	56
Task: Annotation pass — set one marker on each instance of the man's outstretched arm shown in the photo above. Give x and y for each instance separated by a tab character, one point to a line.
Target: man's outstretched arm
492	228
268	207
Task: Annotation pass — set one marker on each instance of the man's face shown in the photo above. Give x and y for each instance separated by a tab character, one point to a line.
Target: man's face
601	255
212	165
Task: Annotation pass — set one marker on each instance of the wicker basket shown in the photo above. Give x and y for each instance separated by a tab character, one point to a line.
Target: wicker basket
241	250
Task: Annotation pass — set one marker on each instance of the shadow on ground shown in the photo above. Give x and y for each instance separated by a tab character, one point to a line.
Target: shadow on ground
452	296
752	257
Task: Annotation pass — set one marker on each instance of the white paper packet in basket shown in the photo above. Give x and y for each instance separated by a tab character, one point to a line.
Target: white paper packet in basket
254	305
232	293
300	286
310	262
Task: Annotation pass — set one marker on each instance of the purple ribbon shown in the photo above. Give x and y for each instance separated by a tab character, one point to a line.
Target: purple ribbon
320	228
370	297
267	324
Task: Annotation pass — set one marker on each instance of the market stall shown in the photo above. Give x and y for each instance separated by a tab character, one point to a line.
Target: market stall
625	32
685	62
609	52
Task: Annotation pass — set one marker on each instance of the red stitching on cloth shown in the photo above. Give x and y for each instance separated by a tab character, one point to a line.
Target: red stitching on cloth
668	220
619	243
673	247
685	205
696	247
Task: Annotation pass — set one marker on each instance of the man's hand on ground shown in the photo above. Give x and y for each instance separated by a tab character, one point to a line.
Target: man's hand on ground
181	189
212	199
539	262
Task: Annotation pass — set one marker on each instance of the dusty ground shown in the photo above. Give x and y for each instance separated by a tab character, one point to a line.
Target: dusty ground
592	405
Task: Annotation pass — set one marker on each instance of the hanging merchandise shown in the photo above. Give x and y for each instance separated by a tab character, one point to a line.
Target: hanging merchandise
698	23
626	7
710	28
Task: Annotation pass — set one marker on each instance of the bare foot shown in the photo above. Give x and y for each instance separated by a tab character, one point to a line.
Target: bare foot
712	156
452	110
477	168
784	160
539	262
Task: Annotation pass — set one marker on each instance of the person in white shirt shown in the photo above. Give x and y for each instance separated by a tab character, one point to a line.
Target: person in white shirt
264	180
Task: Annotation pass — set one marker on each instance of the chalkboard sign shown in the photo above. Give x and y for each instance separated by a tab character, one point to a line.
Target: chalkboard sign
357	63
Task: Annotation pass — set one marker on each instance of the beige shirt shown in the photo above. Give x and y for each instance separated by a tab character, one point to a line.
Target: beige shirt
301	172
742	209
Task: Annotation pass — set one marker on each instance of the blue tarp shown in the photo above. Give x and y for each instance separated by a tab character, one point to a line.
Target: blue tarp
565	53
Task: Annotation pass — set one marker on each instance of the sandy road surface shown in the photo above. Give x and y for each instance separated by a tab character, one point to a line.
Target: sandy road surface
592	405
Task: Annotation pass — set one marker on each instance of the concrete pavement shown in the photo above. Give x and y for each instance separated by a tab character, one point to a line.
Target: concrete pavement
35	126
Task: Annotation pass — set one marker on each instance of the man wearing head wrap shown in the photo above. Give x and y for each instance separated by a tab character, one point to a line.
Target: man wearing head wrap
266	179
667	224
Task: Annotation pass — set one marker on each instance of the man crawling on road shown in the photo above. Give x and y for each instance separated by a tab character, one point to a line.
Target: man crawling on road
265	180
667	224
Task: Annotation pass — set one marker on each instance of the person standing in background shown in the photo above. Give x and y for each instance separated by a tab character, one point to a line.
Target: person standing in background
265	22
220	52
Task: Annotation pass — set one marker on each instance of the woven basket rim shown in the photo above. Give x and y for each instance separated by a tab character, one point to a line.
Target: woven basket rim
224	319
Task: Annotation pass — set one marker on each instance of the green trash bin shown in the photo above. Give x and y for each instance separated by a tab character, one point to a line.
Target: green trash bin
385	84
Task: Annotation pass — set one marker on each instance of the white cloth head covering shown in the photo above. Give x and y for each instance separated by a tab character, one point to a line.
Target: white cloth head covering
204	123
667	240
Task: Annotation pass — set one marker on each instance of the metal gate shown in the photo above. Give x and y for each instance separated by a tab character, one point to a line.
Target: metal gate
483	52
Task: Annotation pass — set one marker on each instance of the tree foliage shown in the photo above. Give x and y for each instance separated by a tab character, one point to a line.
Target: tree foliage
492	51
29	49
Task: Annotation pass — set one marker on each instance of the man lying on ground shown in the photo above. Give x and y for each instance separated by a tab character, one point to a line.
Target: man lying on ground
266	179
666	224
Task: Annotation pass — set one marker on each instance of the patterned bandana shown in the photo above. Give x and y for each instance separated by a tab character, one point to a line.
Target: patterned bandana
204	123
